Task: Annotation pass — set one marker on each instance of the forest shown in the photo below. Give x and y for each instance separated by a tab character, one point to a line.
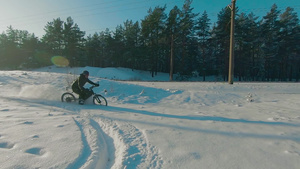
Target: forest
266	49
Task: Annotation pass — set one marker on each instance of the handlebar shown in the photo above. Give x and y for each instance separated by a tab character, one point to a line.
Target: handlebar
93	87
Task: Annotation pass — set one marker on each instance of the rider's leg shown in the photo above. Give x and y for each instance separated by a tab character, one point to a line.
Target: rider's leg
81	97
85	94
88	94
80	93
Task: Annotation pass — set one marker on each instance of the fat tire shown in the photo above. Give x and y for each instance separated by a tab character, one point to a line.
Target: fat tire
97	98
66	96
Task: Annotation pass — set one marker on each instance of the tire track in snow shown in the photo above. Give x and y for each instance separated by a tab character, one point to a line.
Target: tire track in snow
85	152
132	146
104	155
108	144
95	153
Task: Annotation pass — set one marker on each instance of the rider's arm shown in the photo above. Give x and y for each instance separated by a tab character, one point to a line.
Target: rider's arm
92	83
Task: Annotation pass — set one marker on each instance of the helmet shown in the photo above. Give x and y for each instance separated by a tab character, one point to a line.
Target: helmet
85	72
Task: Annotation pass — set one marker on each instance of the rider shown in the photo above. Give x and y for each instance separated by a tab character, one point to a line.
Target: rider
78	88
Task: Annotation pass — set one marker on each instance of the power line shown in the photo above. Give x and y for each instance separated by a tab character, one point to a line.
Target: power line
63	10
39	20
66	11
111	2
268	9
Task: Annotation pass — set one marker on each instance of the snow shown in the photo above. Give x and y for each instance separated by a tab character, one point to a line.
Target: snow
148	123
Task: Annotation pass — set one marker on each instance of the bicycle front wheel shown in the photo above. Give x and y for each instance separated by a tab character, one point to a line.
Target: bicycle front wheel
99	100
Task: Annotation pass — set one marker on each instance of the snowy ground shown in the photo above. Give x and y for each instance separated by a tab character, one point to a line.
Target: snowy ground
178	125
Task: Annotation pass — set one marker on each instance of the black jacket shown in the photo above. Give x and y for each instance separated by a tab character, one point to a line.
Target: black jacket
80	82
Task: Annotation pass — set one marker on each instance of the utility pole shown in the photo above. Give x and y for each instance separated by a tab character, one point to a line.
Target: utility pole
231	50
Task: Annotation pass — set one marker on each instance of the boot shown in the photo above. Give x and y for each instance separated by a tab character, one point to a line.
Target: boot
81	101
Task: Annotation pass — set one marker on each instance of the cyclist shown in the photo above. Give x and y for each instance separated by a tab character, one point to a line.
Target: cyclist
78	88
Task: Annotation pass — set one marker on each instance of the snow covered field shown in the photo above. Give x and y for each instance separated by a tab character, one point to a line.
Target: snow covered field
169	125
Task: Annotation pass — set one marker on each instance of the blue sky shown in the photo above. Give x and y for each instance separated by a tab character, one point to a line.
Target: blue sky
96	15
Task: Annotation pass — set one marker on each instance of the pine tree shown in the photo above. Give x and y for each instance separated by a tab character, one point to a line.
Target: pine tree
132	44
204	34
17	49
186	31
119	48
65	39
54	37
289	44
172	33
107	48
73	40
220	38
270	33
247	59
153	27
93	49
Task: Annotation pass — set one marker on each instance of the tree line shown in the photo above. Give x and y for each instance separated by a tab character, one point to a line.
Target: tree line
179	42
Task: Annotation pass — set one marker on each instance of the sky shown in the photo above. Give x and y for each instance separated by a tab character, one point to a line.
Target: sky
97	15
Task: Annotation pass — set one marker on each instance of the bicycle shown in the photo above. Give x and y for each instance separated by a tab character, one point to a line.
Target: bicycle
98	99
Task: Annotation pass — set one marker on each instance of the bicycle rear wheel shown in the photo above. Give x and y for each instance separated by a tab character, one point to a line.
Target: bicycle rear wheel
99	100
68	97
